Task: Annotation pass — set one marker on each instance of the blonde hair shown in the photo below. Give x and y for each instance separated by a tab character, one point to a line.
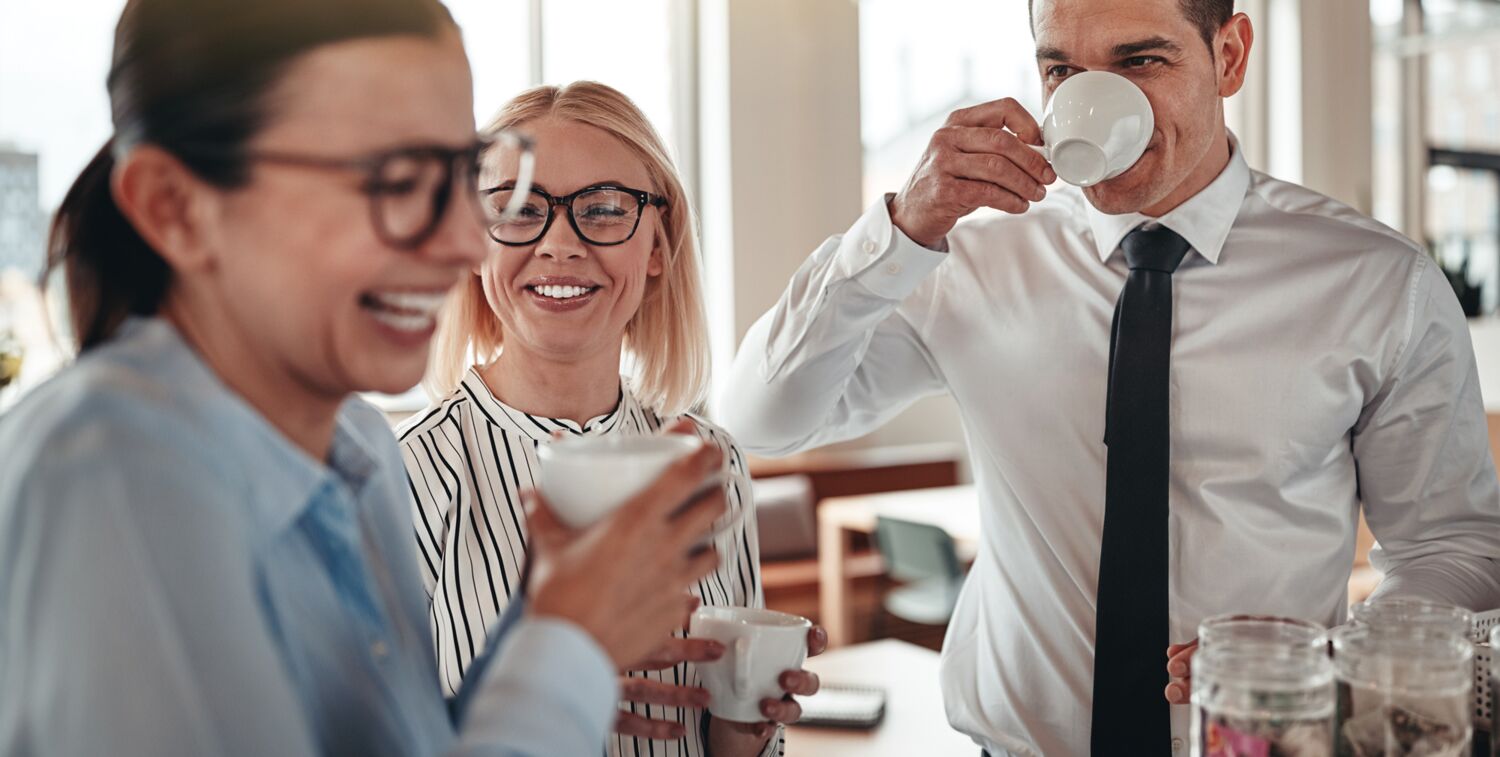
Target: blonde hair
666	341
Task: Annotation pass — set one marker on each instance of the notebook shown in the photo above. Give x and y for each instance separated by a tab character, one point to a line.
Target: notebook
837	706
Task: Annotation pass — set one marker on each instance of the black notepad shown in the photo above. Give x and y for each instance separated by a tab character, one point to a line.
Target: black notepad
836	706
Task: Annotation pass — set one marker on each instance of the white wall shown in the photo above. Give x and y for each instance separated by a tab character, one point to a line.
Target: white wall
781	161
1305	113
781	158
1337	121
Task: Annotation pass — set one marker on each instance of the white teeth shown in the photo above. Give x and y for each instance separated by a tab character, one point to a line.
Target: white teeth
421	304
402	322
405	310
561	292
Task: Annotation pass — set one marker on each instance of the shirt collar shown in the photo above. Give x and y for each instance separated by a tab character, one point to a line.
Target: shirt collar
537	427
1204	220
283	480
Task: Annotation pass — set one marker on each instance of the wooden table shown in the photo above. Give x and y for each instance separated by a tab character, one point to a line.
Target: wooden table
914	720
954	509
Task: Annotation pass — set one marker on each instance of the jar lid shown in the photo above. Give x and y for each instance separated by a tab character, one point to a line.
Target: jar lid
1408	615
1268	667
1414	660
1267	629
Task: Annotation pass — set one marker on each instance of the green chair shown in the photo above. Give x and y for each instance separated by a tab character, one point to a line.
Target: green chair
924	559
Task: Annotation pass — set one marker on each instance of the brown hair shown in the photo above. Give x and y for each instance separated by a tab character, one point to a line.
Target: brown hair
192	77
1208	15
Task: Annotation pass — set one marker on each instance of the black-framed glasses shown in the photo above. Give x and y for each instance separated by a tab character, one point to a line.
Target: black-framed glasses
411	187
602	215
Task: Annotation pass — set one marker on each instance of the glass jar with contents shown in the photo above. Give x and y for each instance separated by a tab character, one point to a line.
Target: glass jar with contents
1255	698
1403	693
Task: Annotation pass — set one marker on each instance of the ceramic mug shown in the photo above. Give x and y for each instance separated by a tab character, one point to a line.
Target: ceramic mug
759	645
586	478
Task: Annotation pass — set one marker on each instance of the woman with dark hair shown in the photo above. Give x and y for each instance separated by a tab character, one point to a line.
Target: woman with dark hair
205	541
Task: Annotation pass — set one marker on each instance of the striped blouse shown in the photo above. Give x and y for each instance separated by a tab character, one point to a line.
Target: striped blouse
468	459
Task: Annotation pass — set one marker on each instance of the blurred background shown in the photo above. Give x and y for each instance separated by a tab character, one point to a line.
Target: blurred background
788	117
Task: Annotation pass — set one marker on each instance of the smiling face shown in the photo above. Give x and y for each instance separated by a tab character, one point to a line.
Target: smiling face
1152	43
306	286
561	298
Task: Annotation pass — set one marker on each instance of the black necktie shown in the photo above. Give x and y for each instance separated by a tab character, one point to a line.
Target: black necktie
1131	716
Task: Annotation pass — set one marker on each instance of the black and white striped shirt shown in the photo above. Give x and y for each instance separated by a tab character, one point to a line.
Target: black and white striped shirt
468	458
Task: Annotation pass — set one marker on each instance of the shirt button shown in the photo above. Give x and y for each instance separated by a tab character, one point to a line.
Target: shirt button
379	650
1176	745
893	269
869	247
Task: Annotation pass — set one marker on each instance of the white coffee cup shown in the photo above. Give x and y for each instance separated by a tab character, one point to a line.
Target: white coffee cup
1096	127
759	645
586	478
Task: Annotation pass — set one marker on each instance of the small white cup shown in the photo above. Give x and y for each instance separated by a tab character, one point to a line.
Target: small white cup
759	646
585	479
1096	127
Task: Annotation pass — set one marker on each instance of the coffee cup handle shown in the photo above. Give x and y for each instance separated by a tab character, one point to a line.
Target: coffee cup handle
741	667
1042	151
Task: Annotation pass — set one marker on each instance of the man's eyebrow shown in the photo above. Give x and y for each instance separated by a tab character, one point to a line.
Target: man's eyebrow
1150	44
1051	53
1122	50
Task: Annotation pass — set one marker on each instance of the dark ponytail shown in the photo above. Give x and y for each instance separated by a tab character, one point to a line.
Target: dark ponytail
192	77
111	272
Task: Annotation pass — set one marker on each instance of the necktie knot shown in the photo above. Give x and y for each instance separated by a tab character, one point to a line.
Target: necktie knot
1157	249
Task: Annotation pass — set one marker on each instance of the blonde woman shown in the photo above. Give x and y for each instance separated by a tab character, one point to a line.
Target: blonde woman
601	271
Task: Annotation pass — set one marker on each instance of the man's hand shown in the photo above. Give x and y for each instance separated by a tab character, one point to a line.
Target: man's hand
1180	668
978	159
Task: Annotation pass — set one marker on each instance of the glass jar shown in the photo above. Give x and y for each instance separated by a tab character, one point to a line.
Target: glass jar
1403	692
1400	615
1255	698
1262	629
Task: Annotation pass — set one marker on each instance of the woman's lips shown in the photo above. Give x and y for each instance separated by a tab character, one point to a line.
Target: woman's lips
557	298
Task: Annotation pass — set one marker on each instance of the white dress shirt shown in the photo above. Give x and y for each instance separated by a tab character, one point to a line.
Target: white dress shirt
468	458
1320	363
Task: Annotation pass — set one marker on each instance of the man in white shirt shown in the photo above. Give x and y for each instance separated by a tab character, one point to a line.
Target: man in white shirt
1318	363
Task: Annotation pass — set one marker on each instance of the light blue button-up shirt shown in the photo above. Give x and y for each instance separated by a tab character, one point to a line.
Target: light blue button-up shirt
176	578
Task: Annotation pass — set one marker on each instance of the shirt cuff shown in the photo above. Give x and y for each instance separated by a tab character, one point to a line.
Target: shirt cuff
882	258
555	691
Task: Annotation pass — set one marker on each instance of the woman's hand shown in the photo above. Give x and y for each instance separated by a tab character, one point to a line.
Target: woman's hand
624	580
644	691
730	739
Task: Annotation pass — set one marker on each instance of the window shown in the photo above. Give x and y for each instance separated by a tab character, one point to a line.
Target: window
54	57
497	36
627	45
1437	132
514	44
920	62
54	111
